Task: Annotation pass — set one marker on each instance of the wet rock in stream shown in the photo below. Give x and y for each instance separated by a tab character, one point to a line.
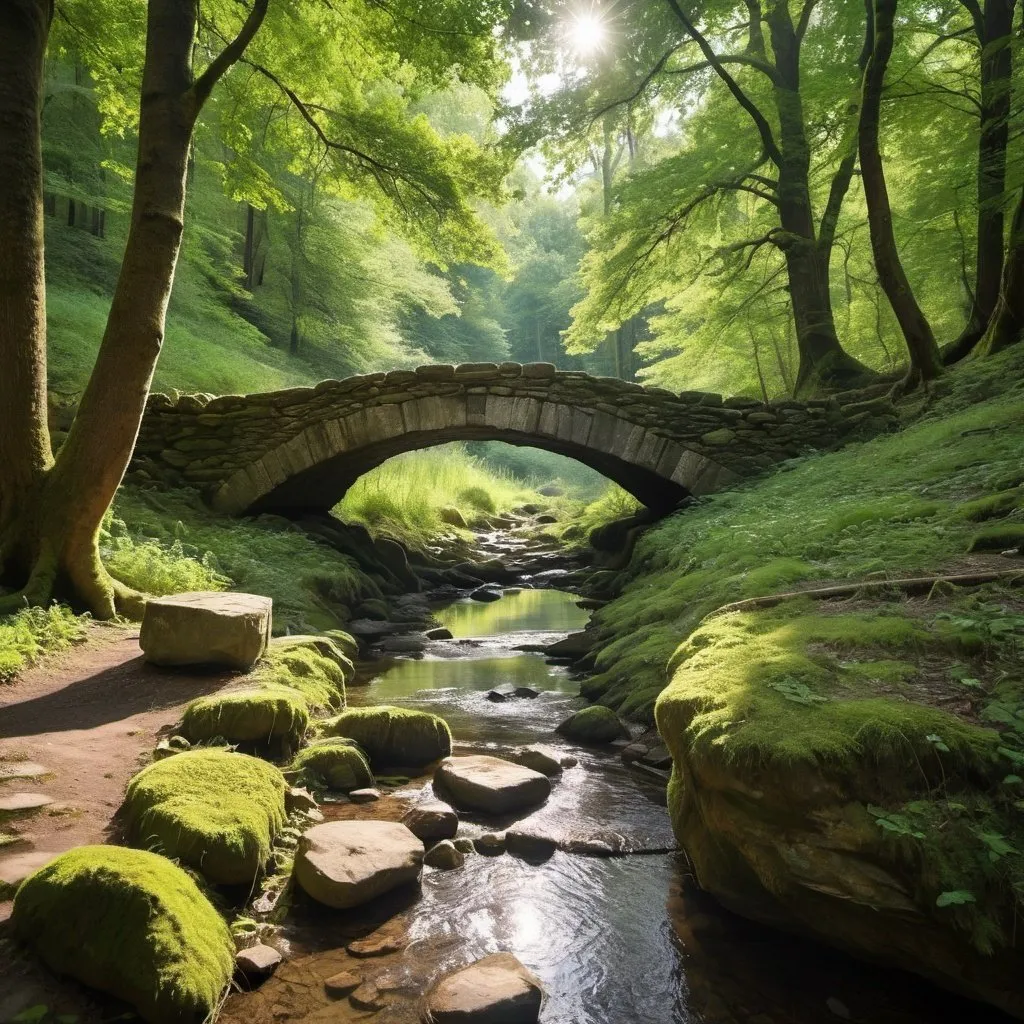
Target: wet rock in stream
490	785
495	990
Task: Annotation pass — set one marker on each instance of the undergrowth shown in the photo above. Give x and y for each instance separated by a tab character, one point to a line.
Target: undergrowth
890	507
29	634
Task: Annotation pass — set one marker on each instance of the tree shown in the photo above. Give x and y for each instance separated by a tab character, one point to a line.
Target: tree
925	361
51	509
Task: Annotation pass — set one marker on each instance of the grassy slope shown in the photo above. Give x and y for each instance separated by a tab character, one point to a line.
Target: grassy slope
891	506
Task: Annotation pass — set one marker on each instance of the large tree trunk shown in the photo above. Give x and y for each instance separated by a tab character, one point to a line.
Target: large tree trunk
995	41
52	535
1006	326
25	456
925	360
823	361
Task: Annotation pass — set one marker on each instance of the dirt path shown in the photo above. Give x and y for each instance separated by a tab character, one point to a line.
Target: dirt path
90	717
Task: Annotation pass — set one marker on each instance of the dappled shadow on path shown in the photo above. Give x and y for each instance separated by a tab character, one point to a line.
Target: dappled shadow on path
118	692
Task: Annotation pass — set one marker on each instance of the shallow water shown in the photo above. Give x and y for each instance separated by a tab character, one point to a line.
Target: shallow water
616	940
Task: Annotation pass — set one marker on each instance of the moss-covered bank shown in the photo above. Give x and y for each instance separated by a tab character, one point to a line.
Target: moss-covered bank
850	769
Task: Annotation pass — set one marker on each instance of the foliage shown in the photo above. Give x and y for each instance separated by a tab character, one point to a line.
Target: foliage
850	515
29	634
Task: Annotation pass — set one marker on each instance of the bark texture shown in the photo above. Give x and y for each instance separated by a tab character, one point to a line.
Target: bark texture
925	360
51	514
1006	326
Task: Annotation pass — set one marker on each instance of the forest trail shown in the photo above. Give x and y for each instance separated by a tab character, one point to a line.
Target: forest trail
91	717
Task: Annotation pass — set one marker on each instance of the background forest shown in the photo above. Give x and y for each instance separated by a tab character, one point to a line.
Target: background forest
616	227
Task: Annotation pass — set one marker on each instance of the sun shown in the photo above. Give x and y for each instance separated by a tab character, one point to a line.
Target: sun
587	32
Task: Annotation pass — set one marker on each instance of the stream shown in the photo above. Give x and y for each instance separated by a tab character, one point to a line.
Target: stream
625	939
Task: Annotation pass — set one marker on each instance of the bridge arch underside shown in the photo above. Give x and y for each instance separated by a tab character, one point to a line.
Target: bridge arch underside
312	470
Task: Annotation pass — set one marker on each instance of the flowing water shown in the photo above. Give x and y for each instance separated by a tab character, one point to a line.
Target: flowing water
616	939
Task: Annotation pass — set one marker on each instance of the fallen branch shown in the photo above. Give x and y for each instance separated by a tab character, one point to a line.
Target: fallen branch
916	585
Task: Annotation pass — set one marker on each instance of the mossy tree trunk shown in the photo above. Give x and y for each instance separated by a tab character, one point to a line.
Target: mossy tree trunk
993	27
51	510
925	360
1007	324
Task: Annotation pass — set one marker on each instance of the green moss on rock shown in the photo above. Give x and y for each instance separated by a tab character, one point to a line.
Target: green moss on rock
132	924
274	715
595	724
337	762
998	538
216	811
993	505
320	678
394	737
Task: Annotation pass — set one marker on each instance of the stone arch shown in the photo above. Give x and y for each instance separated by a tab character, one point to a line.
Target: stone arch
312	469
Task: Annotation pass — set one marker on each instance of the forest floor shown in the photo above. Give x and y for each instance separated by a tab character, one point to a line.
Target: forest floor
90	717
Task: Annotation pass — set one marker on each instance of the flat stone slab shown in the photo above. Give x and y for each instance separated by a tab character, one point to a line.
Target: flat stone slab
22	770
206	628
258	961
345	863
489	784
17	867
495	990
22	803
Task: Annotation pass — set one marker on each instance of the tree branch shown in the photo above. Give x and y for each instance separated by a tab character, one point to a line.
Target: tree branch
738	58
805	19
760	121
230	55
639	90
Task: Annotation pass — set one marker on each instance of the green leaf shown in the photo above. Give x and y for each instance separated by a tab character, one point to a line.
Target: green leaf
954	898
1012	780
937	742
31	1015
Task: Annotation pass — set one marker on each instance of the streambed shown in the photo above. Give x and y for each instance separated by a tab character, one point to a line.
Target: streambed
623	939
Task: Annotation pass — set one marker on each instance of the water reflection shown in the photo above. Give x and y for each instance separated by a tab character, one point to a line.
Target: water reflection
519	611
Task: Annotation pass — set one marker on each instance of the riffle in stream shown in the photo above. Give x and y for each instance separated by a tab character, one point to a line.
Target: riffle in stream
611	923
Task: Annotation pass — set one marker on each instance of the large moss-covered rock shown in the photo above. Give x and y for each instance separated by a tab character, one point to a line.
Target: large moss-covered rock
216	811
337	762
132	924
272	715
319	678
593	725
807	798
394	737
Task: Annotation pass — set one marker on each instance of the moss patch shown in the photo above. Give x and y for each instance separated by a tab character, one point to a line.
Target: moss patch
335	762
216	811
319	678
595	724
394	737
273	715
132	924
998	538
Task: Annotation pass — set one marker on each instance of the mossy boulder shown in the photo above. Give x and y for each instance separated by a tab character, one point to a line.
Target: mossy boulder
269	716
337	762
303	666
394	737
215	811
132	924
816	786
593	725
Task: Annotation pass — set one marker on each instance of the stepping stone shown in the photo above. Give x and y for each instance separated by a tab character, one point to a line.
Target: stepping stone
490	844
431	821
444	856
541	759
22	770
340	984
377	945
206	628
366	997
534	849
15	869
495	990
364	796
22	803
345	863
258	961
489	784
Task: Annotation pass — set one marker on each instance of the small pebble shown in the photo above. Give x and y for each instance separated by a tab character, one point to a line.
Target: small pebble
364	796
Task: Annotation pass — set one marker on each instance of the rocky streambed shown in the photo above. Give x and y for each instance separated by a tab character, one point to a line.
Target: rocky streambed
586	890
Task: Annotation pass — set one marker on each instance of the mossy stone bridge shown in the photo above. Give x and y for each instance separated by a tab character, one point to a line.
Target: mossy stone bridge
299	450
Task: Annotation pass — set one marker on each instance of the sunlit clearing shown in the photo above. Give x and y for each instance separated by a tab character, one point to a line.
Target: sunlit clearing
587	33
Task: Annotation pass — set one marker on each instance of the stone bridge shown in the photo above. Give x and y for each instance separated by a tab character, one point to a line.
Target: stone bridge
299	450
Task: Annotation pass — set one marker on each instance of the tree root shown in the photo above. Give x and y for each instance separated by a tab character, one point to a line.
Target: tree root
915	585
